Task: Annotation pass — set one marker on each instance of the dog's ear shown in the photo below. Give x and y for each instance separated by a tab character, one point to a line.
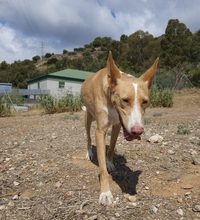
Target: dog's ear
147	77
112	72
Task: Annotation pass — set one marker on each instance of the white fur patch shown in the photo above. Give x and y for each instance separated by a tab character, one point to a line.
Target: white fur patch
110	166
83	108
89	155
135	117
106	198
113	117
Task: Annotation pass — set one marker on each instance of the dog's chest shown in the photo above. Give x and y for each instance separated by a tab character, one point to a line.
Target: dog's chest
112	116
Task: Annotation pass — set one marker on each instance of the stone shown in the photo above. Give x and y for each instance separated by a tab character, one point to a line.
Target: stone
16	183
155	139
180	212
196	208
2	207
171	152
154	209
11	204
15	197
196	161
132	198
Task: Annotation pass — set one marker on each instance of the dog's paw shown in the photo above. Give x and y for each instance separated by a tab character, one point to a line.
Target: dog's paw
89	155
110	166
106	198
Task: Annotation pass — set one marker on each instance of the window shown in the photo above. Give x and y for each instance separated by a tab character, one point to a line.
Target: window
38	85
61	85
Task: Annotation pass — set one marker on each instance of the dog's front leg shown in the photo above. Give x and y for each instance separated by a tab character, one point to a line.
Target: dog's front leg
115	132
105	197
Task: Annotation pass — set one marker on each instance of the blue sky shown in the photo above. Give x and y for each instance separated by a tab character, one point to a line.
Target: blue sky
66	24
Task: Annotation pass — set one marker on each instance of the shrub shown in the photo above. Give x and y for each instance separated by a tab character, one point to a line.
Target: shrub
52	60
48	103
17	99
65	104
161	97
5	109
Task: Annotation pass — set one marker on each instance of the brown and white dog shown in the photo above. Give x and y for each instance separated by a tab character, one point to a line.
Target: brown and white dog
116	99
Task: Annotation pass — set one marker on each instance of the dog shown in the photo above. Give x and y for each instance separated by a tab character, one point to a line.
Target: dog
114	98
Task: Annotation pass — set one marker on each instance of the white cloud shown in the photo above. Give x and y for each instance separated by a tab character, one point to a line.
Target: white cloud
68	24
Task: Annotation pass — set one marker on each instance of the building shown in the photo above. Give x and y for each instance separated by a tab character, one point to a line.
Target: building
5	88
61	82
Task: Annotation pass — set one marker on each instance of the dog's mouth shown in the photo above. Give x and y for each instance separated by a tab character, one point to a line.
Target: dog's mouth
127	135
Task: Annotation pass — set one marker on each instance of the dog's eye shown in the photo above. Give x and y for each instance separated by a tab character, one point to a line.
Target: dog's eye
145	102
125	100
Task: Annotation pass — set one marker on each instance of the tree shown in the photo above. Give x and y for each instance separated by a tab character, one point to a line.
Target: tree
175	43
124	38
47	55
36	58
3	65
65	51
136	53
195	47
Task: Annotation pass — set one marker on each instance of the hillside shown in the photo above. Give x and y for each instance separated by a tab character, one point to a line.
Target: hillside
41	65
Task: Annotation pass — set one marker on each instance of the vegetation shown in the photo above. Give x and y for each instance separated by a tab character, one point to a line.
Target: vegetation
5	106
183	129
67	103
161	97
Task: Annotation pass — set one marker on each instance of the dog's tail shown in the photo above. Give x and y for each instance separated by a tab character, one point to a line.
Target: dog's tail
83	108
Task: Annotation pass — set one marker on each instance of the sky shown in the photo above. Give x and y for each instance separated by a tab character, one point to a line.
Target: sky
29	28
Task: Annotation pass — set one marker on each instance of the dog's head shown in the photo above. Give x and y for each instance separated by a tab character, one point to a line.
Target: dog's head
130	96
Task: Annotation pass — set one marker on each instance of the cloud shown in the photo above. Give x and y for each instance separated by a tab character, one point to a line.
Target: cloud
64	24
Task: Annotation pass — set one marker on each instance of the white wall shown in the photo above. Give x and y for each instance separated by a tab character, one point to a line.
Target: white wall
53	86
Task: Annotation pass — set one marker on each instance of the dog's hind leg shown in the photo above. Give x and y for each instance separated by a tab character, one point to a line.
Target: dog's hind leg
88	122
110	153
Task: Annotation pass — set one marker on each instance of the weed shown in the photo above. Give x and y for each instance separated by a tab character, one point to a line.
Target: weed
109	132
75	118
183	129
147	121
157	114
166	122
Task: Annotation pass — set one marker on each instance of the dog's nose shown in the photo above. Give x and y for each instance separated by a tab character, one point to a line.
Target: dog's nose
137	130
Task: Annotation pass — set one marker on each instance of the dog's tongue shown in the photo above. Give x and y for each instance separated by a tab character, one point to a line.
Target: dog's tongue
132	137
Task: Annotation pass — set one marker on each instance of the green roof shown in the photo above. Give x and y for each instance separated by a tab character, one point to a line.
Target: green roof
71	73
67	74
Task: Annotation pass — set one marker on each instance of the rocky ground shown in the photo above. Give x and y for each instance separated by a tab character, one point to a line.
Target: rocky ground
44	173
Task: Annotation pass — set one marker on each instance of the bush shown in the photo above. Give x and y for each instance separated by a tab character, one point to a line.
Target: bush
65	104
48	103
161	97
52	61
5	109
17	99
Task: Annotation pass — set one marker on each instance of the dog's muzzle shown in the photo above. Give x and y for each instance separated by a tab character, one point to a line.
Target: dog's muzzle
136	131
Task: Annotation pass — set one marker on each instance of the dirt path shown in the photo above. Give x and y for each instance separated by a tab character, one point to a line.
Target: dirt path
44	173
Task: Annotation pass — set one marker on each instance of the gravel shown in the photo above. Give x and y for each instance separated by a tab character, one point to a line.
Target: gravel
44	173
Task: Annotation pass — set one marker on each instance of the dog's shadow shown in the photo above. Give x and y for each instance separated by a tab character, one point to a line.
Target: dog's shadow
123	175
